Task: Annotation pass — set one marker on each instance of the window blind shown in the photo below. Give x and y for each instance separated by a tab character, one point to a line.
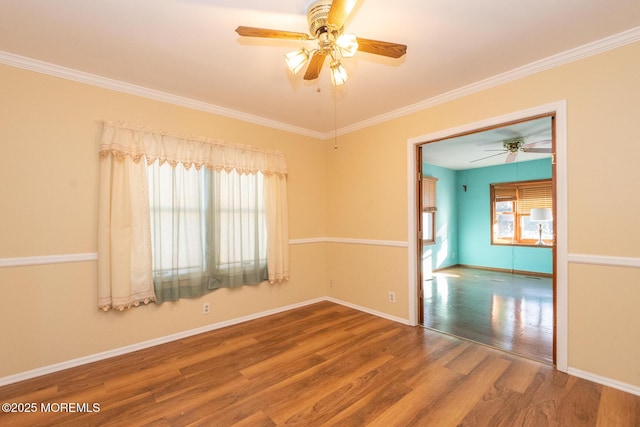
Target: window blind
530	197
505	193
429	194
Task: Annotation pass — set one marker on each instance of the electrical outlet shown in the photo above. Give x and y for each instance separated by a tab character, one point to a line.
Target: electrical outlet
331	283
392	296
206	308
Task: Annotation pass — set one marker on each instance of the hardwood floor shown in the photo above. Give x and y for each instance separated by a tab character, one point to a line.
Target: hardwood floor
323	364
511	312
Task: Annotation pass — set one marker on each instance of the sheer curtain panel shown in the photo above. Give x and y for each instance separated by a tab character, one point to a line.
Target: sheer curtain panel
188	214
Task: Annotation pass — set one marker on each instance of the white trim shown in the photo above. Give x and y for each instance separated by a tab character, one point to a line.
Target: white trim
119	86
350	241
173	337
612	261
369	311
307	241
47	259
169	338
581	52
92	256
562	303
146	344
605	381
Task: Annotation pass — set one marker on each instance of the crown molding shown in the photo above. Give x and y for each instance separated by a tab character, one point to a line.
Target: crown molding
590	49
156	95
584	51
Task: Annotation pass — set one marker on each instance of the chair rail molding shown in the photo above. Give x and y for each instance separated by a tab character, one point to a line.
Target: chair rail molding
47	259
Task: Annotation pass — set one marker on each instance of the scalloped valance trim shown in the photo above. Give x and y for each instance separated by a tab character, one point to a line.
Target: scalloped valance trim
122	140
125	305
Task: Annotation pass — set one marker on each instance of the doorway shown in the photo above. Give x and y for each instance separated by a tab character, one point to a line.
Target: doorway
487	237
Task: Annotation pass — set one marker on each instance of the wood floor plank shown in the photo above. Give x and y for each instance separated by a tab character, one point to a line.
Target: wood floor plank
454	406
310	389
412	408
519	376
617	409
323	364
512	312
580	406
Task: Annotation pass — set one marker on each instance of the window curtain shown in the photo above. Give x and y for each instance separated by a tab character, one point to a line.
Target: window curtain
127	153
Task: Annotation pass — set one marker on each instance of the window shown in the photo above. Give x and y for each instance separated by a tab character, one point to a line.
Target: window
208	230
429	209
511	206
180	216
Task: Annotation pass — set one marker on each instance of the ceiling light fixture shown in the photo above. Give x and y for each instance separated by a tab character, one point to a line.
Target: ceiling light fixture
295	60
347	45
326	19
338	73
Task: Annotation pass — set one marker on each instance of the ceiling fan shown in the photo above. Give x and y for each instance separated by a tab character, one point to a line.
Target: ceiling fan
511	147
326	20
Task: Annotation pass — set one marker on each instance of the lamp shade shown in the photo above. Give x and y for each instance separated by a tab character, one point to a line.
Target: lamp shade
348	45
338	74
295	60
541	214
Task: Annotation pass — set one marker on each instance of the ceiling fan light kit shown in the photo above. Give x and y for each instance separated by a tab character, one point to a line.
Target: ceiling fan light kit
338	74
295	60
326	20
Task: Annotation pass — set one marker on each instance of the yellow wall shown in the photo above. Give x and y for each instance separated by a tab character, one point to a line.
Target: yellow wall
49	134
368	200
50	131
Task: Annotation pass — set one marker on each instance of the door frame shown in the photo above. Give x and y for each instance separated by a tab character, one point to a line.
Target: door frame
557	108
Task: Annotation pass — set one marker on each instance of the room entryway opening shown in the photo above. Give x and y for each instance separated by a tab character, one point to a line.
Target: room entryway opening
486	201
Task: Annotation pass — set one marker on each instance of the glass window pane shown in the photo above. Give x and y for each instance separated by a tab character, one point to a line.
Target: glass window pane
504	226
427	225
504	206
530	229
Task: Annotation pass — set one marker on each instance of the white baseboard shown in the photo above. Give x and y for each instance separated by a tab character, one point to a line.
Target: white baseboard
146	344
162	340
632	389
369	311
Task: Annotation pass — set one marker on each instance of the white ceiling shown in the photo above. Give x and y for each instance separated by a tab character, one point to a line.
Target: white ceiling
189	49
478	150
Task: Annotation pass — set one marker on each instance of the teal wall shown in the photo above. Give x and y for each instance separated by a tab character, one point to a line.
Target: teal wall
466	218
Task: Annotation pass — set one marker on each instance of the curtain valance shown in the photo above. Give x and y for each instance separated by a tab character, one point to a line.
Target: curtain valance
125	140
125	276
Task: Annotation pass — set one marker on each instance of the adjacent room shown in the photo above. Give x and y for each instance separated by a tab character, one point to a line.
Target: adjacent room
487	259
210	212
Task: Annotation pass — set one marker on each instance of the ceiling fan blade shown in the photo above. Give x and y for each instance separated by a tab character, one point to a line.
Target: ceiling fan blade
271	34
488	157
339	12
535	147
511	157
538	143
536	150
392	50
315	65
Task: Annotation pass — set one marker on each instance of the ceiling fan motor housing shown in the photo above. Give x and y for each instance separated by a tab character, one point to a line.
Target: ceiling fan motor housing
317	17
513	145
